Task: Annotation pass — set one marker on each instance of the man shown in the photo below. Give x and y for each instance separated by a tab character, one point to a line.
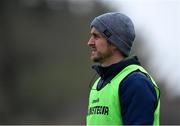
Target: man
124	94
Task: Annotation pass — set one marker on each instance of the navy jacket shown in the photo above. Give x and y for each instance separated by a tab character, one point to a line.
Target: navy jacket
136	92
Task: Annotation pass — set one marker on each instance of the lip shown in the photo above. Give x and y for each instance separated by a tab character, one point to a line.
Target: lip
93	52
93	49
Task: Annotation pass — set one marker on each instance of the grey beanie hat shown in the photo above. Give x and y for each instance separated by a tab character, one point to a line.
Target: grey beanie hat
117	28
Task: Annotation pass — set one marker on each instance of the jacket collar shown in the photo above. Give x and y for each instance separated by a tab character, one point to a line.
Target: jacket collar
113	69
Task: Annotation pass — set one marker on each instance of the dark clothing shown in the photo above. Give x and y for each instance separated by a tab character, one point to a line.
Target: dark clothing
136	92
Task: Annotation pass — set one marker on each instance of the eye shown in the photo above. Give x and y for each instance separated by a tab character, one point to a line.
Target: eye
95	36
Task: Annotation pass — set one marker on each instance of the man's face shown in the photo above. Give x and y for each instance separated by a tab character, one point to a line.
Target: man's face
101	50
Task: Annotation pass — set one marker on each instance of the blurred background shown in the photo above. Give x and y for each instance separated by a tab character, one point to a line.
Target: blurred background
45	68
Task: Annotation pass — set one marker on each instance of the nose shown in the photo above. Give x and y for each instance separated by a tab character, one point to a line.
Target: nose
90	42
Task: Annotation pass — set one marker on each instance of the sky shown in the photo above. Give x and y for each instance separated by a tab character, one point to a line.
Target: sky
160	22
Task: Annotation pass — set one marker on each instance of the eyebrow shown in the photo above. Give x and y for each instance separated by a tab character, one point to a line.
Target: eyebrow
95	33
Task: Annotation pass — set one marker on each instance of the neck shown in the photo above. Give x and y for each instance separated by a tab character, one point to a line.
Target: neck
112	60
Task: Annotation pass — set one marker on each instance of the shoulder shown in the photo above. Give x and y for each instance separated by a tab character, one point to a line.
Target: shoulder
137	80
137	83
137	92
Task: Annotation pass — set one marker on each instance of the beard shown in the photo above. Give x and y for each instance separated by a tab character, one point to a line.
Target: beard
100	57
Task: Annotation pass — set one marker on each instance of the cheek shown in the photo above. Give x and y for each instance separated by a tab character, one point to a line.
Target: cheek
101	44
102	47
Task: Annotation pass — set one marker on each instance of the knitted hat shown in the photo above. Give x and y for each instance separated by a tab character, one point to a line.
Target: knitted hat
117	28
